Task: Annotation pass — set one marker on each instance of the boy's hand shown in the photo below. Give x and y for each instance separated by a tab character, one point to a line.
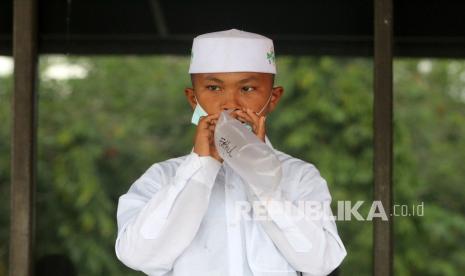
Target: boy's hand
257	122
204	144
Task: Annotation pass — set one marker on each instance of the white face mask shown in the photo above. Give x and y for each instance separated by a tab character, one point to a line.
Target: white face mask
199	112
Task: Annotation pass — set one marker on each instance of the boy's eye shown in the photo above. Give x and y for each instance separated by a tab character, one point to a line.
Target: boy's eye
213	87
248	88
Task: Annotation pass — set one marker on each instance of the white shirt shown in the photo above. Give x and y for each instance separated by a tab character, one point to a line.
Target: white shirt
180	218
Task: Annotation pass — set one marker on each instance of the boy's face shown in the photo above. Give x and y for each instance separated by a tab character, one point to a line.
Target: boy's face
238	90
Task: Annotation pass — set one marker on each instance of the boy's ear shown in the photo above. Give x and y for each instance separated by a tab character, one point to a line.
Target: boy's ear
276	94
189	92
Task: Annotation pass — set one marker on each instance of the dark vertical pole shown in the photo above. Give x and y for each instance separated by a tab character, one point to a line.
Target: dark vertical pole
23	143
383	43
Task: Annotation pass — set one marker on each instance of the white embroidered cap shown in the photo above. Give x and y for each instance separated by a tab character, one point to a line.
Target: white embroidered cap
232	51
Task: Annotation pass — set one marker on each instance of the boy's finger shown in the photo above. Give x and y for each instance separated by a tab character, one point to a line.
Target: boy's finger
205	120
261	130
255	119
252	115
258	123
245	116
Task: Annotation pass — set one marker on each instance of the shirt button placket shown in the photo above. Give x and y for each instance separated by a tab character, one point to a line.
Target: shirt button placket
234	233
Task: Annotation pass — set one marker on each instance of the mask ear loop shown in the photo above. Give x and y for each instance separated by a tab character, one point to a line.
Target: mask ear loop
197	101
267	102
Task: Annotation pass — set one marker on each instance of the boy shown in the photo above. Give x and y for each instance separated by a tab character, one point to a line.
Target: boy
180	216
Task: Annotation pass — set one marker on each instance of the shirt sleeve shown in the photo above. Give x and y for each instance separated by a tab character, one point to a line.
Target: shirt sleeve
303	230
160	215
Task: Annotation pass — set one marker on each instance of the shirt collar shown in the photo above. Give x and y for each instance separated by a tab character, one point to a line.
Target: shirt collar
267	141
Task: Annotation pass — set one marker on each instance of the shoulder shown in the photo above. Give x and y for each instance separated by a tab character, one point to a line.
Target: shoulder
295	166
157	175
302	179
168	167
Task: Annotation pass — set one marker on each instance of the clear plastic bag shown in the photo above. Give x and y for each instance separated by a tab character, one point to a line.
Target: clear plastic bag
247	155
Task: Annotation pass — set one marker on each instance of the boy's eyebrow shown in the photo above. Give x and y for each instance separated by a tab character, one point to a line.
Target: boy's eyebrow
248	79
214	79
211	78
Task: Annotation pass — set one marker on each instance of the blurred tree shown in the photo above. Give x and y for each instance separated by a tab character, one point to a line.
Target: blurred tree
429	151
98	135
99	131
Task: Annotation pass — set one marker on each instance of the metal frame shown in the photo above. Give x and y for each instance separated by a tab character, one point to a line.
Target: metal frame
24	134
382	126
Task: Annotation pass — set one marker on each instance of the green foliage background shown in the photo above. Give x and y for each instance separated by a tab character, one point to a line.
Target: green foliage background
98	134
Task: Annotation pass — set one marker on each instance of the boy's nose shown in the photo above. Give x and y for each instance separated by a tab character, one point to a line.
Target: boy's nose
230	102
231	108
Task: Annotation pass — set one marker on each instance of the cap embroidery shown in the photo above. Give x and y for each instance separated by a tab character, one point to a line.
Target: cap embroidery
270	56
